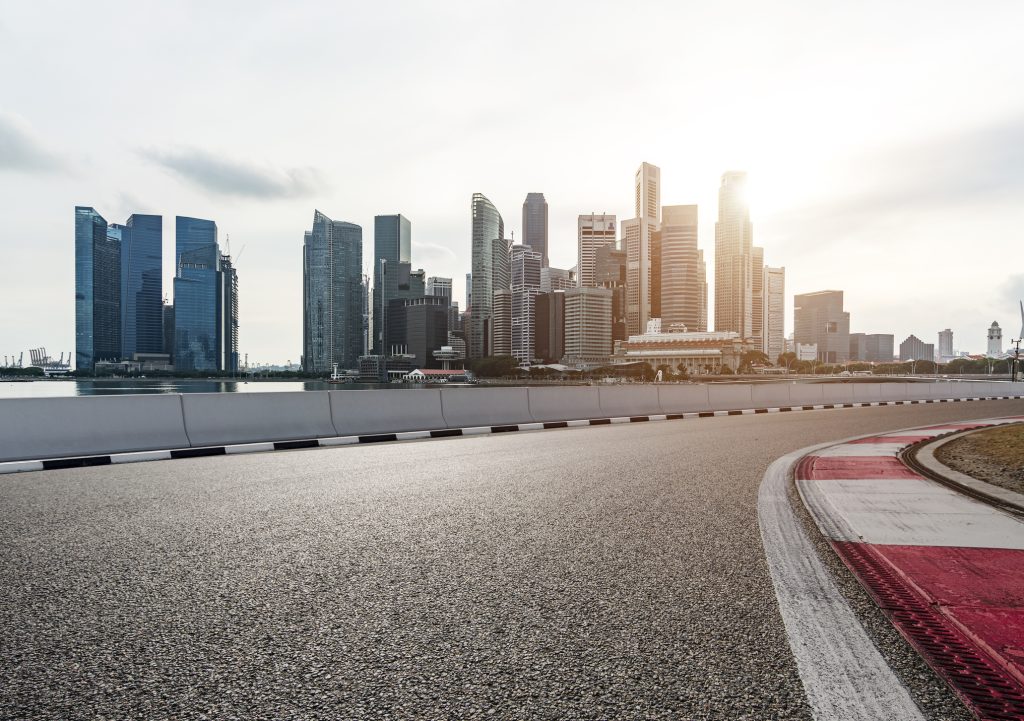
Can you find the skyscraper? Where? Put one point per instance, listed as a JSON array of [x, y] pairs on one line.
[[490, 272], [227, 316], [440, 286], [97, 290], [141, 285], [592, 232], [197, 258], [757, 296], [915, 349], [535, 225], [610, 273], [733, 258], [819, 318], [552, 279], [773, 322], [637, 237], [501, 322], [525, 272], [703, 275], [549, 326], [588, 326], [945, 345], [682, 284], [392, 242], [332, 262]]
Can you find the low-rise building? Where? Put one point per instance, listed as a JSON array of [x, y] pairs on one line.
[[694, 353]]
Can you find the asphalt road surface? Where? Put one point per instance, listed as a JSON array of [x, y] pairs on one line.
[[593, 573]]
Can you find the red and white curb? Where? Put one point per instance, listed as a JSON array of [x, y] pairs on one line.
[[946, 569]]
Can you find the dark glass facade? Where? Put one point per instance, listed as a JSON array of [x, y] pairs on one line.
[[392, 242], [141, 285], [196, 346], [535, 225], [227, 316], [97, 290], [490, 272], [332, 294], [418, 327]]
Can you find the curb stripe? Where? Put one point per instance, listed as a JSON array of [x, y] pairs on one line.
[[83, 462], [198, 452]]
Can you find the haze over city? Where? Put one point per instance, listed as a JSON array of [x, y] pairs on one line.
[[884, 145]]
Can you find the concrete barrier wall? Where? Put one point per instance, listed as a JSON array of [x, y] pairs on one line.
[[619, 401], [683, 399], [33, 428], [217, 419], [386, 411], [564, 403], [471, 407]]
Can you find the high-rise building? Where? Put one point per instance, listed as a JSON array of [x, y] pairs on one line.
[[440, 286], [168, 330], [757, 296], [141, 285], [417, 327], [945, 345], [535, 225], [858, 346], [610, 273], [525, 270], [227, 316], [490, 273], [552, 279], [773, 321], [682, 282], [469, 290], [592, 232], [392, 243], [549, 326], [880, 347], [995, 340], [637, 237], [734, 234], [819, 319], [332, 263], [196, 346], [365, 295], [703, 275], [588, 326], [97, 290], [915, 349], [501, 318]]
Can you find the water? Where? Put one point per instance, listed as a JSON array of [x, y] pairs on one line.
[[67, 388]]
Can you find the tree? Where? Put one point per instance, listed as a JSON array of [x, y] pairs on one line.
[[496, 366], [752, 358], [786, 359]]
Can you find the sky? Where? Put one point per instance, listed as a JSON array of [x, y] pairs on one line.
[[884, 141]]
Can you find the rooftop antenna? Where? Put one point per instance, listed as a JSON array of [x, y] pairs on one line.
[[227, 245]]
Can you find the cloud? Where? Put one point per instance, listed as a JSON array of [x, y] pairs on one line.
[[21, 150], [231, 177]]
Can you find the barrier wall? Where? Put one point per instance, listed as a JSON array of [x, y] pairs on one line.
[[386, 411], [564, 403], [33, 428], [217, 419]]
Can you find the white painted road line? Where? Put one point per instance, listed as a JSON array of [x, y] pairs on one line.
[[851, 450], [142, 456], [843, 674], [20, 466]]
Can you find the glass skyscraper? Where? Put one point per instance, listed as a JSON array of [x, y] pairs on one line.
[[392, 242], [332, 295], [141, 285], [535, 225], [196, 342], [97, 290], [490, 272]]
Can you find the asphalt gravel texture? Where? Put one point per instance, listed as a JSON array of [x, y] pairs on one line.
[[609, 572]]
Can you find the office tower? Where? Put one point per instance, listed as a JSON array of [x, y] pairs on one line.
[[757, 296], [702, 273], [552, 279], [392, 243], [637, 236], [995, 340], [733, 258], [454, 319], [408, 283], [490, 272], [592, 232], [168, 330], [946, 345], [549, 326], [588, 326], [197, 259], [332, 262], [501, 330], [535, 225], [610, 273], [365, 295], [915, 349], [227, 316], [819, 319], [97, 290], [682, 284], [858, 346], [417, 327], [773, 321], [440, 286], [879, 347], [141, 285], [525, 270], [469, 290]]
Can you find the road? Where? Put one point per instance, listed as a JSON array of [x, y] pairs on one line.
[[601, 572]]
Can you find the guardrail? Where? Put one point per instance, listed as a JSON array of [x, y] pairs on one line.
[[32, 428]]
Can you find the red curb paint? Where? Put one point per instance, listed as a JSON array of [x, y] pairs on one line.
[[817, 468], [905, 440]]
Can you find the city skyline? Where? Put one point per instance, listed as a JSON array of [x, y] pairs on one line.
[[837, 186]]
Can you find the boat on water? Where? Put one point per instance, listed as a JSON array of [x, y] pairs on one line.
[[337, 377]]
